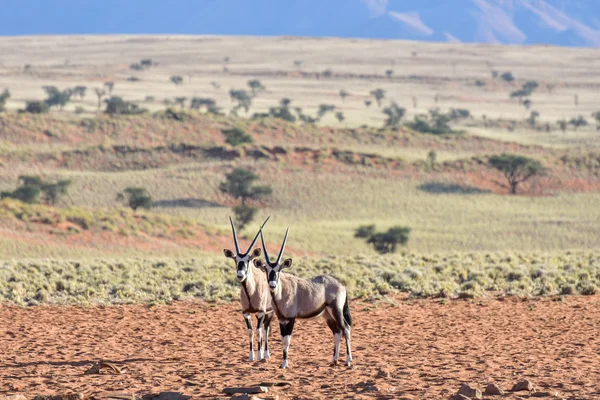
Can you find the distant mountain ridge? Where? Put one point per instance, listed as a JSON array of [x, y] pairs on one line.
[[556, 22]]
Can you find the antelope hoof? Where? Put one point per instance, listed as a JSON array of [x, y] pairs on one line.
[[333, 363], [284, 365], [348, 363], [251, 357], [267, 355]]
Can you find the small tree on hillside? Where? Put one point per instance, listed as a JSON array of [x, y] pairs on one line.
[[79, 91], [36, 107], [596, 116], [340, 116], [562, 125], [389, 73], [507, 77], [384, 242], [240, 184], [180, 101], [136, 198], [32, 187], [256, 86], [236, 137], [4, 96], [394, 115], [117, 106], [343, 95], [324, 109], [56, 98], [578, 122], [379, 95], [100, 93], [516, 168], [176, 79], [110, 86], [243, 99]]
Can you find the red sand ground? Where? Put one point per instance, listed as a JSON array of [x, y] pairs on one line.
[[428, 349]]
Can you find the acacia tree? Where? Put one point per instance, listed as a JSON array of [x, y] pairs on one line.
[[256, 86], [394, 115], [240, 184], [56, 98], [516, 168], [379, 95], [243, 99]]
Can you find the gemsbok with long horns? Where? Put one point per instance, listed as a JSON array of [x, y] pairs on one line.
[[254, 294], [295, 298]]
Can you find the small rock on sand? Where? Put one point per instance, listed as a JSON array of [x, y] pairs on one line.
[[459, 397], [246, 390], [468, 391], [544, 394], [523, 385], [493, 390]]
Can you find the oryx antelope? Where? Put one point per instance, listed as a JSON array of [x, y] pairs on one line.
[[254, 294], [293, 298]]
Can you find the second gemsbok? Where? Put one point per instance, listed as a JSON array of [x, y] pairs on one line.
[[295, 298]]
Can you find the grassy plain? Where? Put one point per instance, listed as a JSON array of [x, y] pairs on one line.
[[468, 236]]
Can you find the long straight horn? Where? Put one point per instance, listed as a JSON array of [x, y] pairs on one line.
[[235, 241], [262, 239], [283, 245], [257, 233]]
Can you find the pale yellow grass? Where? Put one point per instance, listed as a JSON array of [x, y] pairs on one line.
[[445, 70]]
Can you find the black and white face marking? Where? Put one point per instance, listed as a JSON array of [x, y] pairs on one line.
[[273, 270], [242, 262]]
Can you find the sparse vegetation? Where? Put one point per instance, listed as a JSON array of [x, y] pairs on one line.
[[33, 187], [343, 94], [379, 95], [256, 86], [236, 137], [243, 99], [117, 106], [283, 111], [136, 198], [394, 115], [36, 107], [3, 99], [507, 77], [384, 242], [57, 98], [176, 79], [578, 122], [436, 123]]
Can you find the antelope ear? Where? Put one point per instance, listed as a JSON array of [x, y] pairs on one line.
[[287, 263], [228, 253], [256, 253], [260, 265]]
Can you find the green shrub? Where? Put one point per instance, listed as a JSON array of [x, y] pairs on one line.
[[236, 137]]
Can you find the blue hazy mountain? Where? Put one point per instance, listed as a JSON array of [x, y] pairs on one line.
[[559, 22]]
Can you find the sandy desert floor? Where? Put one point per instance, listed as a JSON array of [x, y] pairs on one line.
[[404, 349]]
